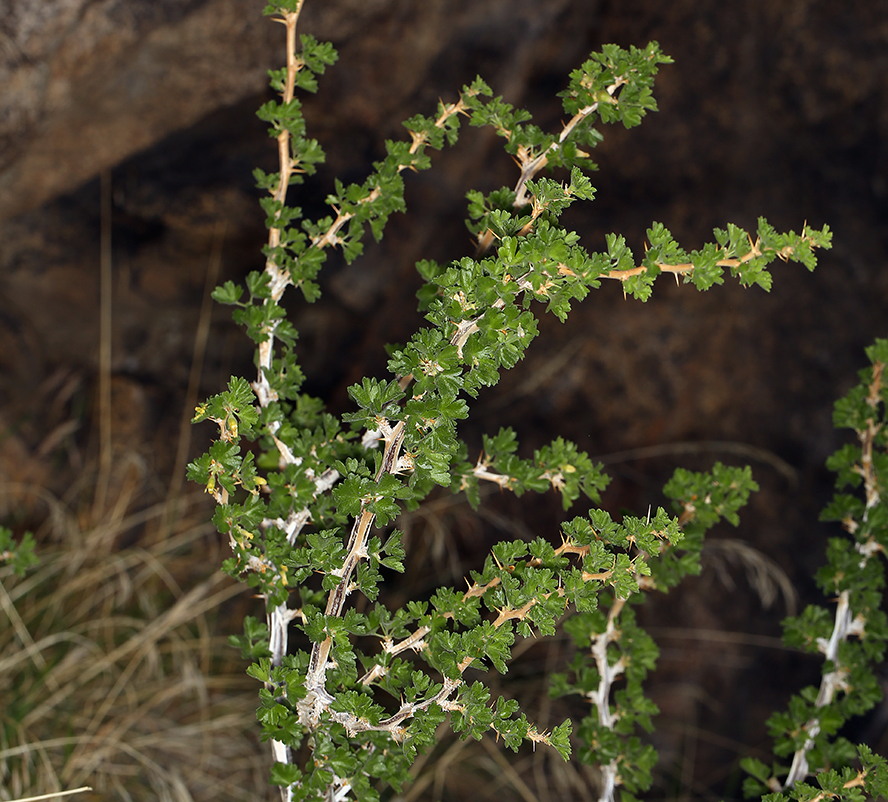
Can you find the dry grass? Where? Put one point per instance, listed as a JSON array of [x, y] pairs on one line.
[[113, 672]]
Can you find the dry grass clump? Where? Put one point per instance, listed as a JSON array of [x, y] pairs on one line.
[[114, 671]]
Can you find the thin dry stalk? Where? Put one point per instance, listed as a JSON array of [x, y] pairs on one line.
[[201, 338], [105, 446], [764, 575]]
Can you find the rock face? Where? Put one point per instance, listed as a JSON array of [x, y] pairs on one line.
[[775, 109], [95, 82], [88, 84]]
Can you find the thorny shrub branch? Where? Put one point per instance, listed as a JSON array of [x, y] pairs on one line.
[[309, 513]]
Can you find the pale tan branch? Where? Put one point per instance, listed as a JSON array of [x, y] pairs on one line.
[[317, 699]]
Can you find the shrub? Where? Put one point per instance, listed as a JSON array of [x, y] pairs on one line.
[[309, 511]]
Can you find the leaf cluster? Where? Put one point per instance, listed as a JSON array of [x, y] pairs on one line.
[[851, 630], [19, 554], [609, 642]]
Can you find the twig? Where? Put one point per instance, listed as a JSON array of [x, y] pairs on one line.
[[200, 346], [54, 795], [105, 297]]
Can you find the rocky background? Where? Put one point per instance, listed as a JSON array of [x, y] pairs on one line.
[[774, 109]]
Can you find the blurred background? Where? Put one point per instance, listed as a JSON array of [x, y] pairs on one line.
[[127, 140]]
